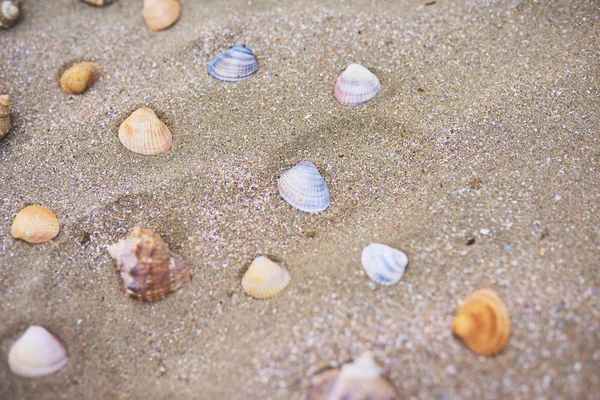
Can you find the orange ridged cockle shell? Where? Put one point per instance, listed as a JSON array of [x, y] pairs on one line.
[[143, 133], [148, 268], [482, 322], [80, 77], [161, 14], [35, 224]]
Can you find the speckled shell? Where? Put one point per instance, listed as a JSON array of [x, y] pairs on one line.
[[358, 380], [265, 278], [161, 14], [36, 353], [9, 13], [5, 124], [303, 187], [143, 133], [80, 77], [35, 224], [148, 268], [235, 64], [482, 322], [356, 85], [384, 264]]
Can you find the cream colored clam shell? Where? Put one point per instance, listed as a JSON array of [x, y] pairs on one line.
[[143, 133], [265, 278], [161, 14], [36, 353], [35, 224]]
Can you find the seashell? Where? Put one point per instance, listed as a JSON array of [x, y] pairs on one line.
[[234, 65], [148, 268], [143, 133], [161, 14], [98, 3], [265, 278], [303, 187], [356, 85], [358, 380], [36, 353], [9, 13], [5, 124], [80, 77], [482, 322], [35, 224], [384, 264]]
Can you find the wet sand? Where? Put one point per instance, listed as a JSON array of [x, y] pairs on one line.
[[487, 118]]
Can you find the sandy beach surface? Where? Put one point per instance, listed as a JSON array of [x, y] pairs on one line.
[[486, 127]]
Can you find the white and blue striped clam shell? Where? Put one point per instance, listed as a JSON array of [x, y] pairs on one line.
[[234, 65], [303, 187], [356, 85], [384, 264]]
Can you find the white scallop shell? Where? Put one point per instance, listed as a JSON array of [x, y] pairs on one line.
[[235, 64], [384, 264], [36, 353], [265, 278], [356, 85], [303, 187]]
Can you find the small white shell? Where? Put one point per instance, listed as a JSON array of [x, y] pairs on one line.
[[265, 278], [36, 353], [356, 85], [303, 187], [234, 65], [384, 264]]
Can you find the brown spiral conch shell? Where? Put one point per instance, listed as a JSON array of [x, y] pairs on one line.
[[9, 13], [143, 133], [35, 224], [358, 380], [148, 268], [161, 14], [482, 323], [80, 77], [5, 124]]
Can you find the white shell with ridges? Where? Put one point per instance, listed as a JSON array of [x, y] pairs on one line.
[[384, 264], [356, 85], [303, 187], [265, 278], [36, 353], [235, 64]]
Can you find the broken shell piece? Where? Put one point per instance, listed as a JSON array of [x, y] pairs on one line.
[[35, 224], [161, 14], [265, 278], [36, 353], [358, 380], [234, 65], [5, 124], [9, 13], [148, 268], [303, 187], [143, 133], [482, 322], [80, 77], [356, 85], [384, 264]]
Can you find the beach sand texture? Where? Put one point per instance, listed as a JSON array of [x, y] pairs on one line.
[[487, 119]]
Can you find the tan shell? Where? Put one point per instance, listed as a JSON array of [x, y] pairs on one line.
[[143, 133], [148, 268], [482, 322], [161, 14], [5, 124], [264, 278], [9, 13], [35, 224], [98, 3], [80, 77], [358, 380]]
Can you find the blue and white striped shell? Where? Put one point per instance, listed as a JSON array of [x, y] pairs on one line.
[[303, 187], [384, 264], [234, 65], [356, 85]]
